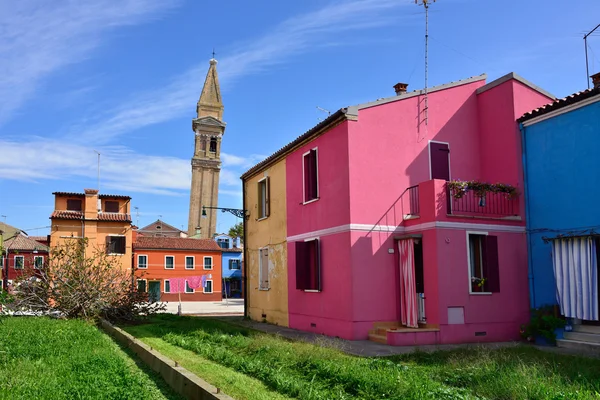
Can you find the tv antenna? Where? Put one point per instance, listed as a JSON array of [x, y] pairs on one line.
[[425, 4], [97, 152], [587, 66], [137, 216], [323, 110]]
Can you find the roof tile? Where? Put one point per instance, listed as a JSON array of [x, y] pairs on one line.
[[159, 243], [24, 243], [560, 103]]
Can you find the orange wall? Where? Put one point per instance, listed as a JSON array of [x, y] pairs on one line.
[[156, 272]]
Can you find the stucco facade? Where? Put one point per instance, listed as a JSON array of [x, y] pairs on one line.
[[98, 218], [267, 302]]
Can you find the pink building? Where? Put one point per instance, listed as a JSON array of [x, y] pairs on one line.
[[378, 245]]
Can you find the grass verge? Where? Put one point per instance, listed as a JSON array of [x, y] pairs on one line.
[[306, 371], [43, 358]]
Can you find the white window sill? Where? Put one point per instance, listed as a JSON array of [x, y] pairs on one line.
[[310, 201], [207, 292], [116, 254], [207, 269], [190, 268], [169, 268], [262, 218], [312, 291], [264, 289], [480, 293]]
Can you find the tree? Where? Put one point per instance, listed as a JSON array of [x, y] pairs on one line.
[[237, 231], [78, 286]]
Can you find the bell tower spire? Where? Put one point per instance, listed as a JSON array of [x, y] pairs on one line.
[[209, 129]]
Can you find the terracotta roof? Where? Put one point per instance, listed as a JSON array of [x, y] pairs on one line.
[[115, 217], [163, 227], [63, 214], [159, 243], [8, 230], [39, 238], [232, 250], [24, 243], [560, 103], [101, 196]]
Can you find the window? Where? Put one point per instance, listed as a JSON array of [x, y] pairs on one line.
[[169, 262], [223, 243], [213, 145], [208, 263], [234, 264], [141, 285], [38, 262], [142, 261], [263, 269], [234, 285], [74, 205], [111, 206], [188, 289], [308, 265], [167, 286], [208, 287], [264, 207], [115, 244], [189, 262], [484, 274], [310, 176], [19, 262]]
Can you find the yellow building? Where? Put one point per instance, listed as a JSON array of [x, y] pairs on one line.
[[265, 243], [105, 220]]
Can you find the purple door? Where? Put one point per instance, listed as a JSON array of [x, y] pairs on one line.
[[439, 155]]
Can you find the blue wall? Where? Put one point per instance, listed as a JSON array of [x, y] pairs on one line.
[[229, 255], [561, 158]]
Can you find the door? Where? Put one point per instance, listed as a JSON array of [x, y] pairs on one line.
[[154, 291], [439, 159]]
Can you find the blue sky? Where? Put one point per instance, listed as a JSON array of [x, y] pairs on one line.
[[124, 77]]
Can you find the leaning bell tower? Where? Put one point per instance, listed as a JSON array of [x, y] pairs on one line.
[[208, 129]]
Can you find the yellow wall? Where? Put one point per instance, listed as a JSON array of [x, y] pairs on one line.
[[93, 229], [272, 233]]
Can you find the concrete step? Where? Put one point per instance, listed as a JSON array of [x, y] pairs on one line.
[[587, 329], [373, 337], [580, 346], [583, 337]]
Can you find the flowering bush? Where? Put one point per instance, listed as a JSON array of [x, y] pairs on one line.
[[460, 188]]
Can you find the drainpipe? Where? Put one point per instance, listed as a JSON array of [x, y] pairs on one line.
[[245, 262], [528, 234]]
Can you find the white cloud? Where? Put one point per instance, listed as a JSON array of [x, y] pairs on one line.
[[294, 36], [39, 37]]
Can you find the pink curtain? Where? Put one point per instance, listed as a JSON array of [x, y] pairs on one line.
[[408, 288]]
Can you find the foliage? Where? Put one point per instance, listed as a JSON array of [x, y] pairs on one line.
[[237, 231], [460, 188], [75, 285], [307, 371], [42, 358], [543, 322], [6, 299]]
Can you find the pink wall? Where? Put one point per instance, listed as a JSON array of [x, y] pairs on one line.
[[332, 208], [389, 153]]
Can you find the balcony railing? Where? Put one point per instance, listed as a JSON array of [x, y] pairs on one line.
[[492, 204]]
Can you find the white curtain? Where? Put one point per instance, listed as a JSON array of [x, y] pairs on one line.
[[408, 288], [576, 273]]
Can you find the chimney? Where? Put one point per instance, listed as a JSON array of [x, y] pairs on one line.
[[198, 230], [596, 80], [91, 204], [400, 88], [237, 242]]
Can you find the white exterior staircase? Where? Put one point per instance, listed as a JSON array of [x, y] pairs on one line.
[[583, 338]]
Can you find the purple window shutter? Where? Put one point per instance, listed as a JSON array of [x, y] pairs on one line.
[[313, 174], [317, 264], [307, 175], [490, 264], [302, 266], [440, 161]]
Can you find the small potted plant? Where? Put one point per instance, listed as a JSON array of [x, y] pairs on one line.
[[544, 327]]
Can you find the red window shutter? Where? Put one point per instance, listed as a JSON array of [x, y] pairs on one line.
[[491, 268], [313, 174], [316, 264], [302, 266]]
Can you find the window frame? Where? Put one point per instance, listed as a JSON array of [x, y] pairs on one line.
[[475, 233], [34, 262], [213, 139], [223, 240], [263, 204], [193, 262], [137, 285], [165, 281], [109, 244], [106, 202], [304, 201], [173, 257], [235, 261], [260, 269], [22, 258], [212, 265], [71, 209], [187, 286], [211, 287], [318, 268], [138, 261]]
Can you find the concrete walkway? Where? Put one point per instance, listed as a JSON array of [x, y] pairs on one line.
[[208, 308], [364, 348]]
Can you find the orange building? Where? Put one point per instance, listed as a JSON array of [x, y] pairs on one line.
[[105, 220], [161, 260]]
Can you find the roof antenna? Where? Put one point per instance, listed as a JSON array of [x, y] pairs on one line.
[[137, 216], [324, 110], [587, 67], [425, 3]]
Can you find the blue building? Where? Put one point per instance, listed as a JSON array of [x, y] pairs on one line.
[[561, 163], [232, 265]]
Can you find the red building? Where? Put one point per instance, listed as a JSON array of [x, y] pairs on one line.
[[22, 254]]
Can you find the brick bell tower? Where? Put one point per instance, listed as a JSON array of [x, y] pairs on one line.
[[208, 130]]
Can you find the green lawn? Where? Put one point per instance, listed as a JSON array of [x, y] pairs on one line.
[[250, 365], [44, 358]]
